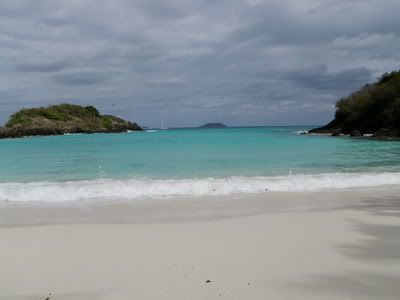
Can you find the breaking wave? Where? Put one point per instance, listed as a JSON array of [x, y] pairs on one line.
[[112, 189]]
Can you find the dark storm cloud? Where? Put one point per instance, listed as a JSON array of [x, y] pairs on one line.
[[318, 77], [186, 61]]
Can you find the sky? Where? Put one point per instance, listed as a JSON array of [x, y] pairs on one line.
[[189, 62]]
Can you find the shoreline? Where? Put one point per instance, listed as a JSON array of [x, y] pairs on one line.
[[364, 137], [108, 191], [70, 134], [186, 209]]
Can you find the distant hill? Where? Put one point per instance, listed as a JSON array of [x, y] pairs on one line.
[[373, 110], [213, 125], [61, 119]]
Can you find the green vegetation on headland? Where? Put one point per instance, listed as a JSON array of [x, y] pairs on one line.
[[374, 110], [213, 125], [62, 119]]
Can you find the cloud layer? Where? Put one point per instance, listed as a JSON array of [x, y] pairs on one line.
[[241, 62]]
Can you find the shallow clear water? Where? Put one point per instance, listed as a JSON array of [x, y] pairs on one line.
[[187, 157]]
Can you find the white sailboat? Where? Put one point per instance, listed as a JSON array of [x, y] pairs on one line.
[[162, 125]]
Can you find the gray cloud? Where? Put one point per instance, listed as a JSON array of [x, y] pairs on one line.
[[80, 78], [45, 66], [318, 77], [237, 61]]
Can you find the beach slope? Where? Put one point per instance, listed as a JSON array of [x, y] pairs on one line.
[[340, 251]]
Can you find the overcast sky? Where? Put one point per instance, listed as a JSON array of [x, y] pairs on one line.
[[241, 62]]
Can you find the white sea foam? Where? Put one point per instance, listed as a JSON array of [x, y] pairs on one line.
[[111, 189], [300, 132]]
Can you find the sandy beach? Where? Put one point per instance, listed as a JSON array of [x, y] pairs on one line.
[[328, 245], [199, 150]]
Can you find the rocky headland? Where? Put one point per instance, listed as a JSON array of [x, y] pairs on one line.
[[63, 119], [372, 111]]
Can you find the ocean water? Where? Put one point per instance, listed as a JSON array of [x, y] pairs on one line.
[[189, 162]]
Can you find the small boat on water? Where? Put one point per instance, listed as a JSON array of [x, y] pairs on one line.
[[162, 125]]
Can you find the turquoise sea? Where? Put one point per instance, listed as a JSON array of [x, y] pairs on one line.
[[172, 162]]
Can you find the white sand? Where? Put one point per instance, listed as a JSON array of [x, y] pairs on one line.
[[307, 254]]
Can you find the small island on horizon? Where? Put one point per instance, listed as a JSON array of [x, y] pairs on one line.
[[213, 125], [372, 111], [63, 119]]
